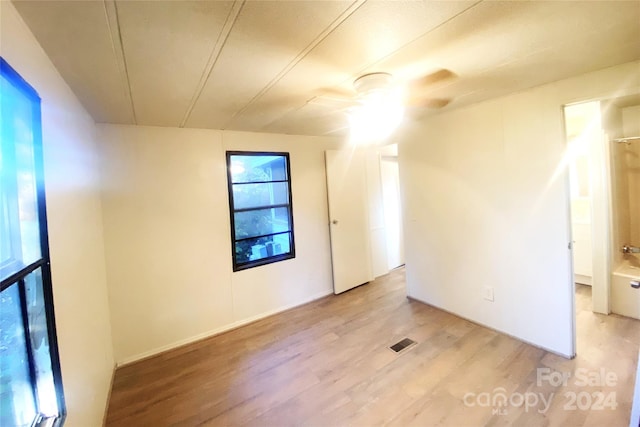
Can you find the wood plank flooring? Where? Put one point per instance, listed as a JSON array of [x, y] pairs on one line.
[[328, 364]]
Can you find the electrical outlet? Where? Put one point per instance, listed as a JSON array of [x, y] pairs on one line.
[[487, 293]]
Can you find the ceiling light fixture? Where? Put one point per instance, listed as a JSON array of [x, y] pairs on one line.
[[379, 111]]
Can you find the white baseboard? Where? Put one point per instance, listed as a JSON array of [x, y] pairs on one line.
[[154, 352]]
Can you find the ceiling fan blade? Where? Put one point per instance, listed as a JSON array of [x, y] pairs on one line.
[[334, 103], [335, 98], [430, 79], [432, 103], [419, 111]]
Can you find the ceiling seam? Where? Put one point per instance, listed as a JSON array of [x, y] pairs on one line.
[[221, 41], [314, 43], [446, 21], [117, 45]]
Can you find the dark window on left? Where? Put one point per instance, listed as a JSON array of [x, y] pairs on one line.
[[260, 208], [30, 380]]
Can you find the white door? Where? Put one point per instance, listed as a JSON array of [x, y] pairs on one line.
[[348, 219]]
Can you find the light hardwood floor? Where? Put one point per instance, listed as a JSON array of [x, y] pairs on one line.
[[328, 364]]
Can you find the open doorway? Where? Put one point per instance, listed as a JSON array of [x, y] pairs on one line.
[[621, 124], [588, 164], [603, 140], [581, 123], [390, 178], [363, 195]]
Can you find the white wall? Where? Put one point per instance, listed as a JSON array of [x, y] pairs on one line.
[[75, 227], [486, 204], [167, 234]]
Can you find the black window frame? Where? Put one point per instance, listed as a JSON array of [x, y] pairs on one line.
[[239, 266], [18, 278]]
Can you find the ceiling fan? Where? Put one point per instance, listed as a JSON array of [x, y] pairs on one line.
[[414, 91], [378, 102]]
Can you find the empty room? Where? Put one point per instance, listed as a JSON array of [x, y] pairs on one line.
[[319, 213]]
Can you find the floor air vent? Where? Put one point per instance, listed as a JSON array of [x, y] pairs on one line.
[[399, 346]]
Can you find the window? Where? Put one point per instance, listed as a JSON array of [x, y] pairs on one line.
[[260, 207], [30, 380]]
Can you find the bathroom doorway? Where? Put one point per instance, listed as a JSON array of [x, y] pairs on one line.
[[603, 159], [587, 160], [582, 123], [621, 123]]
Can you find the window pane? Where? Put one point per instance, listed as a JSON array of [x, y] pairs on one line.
[[258, 195], [262, 247], [46, 389], [260, 222], [18, 196], [27, 370], [258, 168], [17, 406]]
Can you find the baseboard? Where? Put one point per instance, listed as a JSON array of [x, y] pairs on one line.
[[106, 407], [557, 353], [217, 331]]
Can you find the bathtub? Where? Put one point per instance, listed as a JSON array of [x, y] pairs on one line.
[[625, 300]]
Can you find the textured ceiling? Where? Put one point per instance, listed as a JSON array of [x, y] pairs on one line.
[[258, 65]]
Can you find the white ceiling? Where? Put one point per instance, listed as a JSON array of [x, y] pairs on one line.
[[255, 65]]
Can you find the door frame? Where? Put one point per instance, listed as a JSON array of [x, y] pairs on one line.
[[601, 214], [351, 155]]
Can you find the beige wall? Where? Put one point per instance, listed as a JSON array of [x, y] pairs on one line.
[[486, 205], [75, 227], [166, 216]]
